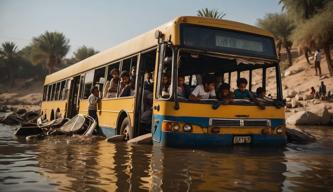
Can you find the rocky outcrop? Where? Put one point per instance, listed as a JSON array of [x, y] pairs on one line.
[[317, 115]]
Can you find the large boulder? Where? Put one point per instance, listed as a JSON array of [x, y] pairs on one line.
[[322, 111], [303, 118], [292, 71], [317, 115]]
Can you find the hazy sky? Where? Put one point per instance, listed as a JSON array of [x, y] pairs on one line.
[[102, 24]]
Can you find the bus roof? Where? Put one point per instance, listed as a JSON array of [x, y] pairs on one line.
[[145, 41]]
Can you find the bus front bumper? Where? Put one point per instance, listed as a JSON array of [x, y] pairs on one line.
[[183, 139]]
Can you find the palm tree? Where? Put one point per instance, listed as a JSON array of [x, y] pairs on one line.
[[211, 13], [281, 27], [83, 53], [9, 56], [49, 49]]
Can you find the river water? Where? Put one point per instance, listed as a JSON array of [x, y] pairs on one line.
[[76, 164]]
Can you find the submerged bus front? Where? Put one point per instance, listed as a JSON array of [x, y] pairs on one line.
[[226, 55]]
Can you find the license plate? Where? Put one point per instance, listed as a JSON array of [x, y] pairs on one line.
[[242, 139]]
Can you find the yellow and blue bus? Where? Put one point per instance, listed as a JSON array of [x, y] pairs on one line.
[[190, 47]]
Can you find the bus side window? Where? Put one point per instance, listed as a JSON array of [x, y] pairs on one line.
[[52, 92], [65, 90], [62, 86], [45, 93], [88, 82], [164, 76], [110, 87], [129, 65], [57, 91], [48, 92], [99, 79]]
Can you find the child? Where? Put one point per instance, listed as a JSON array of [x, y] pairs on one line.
[[206, 90], [242, 92], [125, 84], [261, 93], [112, 90], [224, 93]]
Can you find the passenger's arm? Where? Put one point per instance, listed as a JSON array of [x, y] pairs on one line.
[[194, 96]]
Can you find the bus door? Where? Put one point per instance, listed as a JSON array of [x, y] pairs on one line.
[[73, 99], [144, 91]]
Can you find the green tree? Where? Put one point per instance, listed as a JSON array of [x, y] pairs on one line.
[[9, 57], [211, 13], [300, 11], [281, 27], [49, 49], [317, 32], [83, 52]]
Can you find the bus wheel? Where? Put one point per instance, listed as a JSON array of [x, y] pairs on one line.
[[126, 129]]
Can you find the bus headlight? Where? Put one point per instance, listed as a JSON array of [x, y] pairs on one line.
[[175, 127], [279, 130], [187, 128]]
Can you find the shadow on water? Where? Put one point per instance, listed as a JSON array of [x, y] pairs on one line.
[[67, 164]]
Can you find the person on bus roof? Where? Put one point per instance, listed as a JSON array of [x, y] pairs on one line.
[[125, 84], [242, 92], [224, 94], [206, 90]]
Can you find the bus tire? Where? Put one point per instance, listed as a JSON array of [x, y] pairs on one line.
[[126, 129]]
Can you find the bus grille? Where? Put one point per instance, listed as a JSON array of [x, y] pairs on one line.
[[239, 123]]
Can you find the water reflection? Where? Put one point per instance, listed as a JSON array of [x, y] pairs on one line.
[[67, 164]]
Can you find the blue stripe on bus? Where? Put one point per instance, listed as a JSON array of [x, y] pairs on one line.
[[190, 139], [181, 139]]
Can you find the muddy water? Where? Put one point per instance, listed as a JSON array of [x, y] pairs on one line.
[[75, 164]]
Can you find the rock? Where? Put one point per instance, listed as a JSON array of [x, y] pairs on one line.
[[322, 112], [299, 136], [295, 103], [304, 118], [27, 131], [316, 101], [288, 99], [290, 71], [11, 119], [21, 111], [3, 108], [288, 105], [291, 93], [142, 139], [115, 139], [308, 97], [298, 97], [32, 138]]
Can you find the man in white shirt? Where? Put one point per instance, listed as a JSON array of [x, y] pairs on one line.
[[317, 62], [92, 106], [206, 90]]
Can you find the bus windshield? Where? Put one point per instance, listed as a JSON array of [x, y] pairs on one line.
[[227, 41], [194, 68]]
